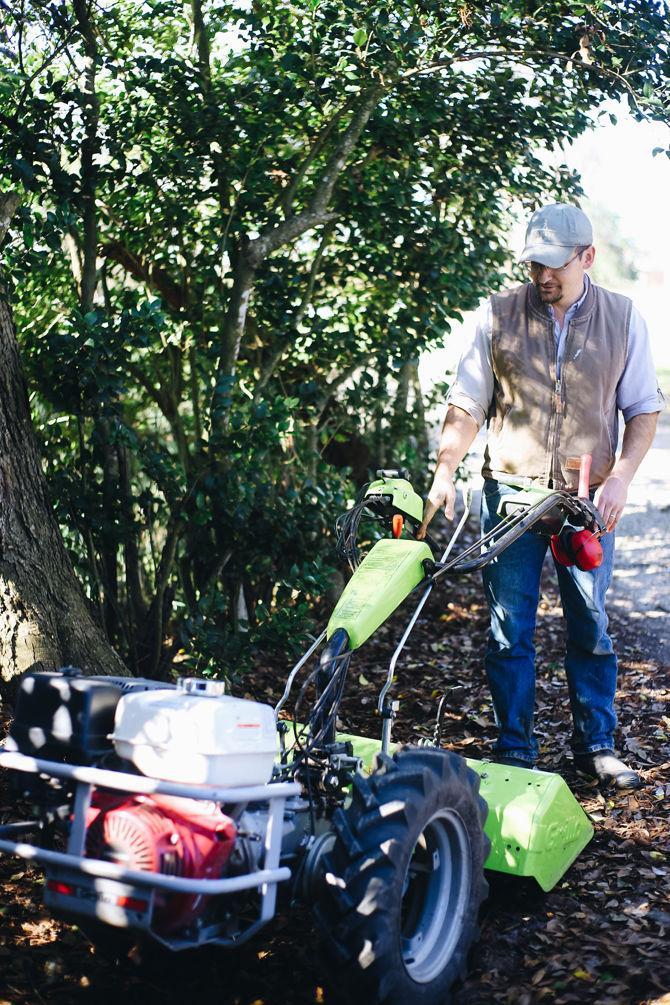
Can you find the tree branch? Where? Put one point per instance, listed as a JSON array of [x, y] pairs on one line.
[[151, 642], [154, 276], [522, 57], [60, 48], [201, 40], [157, 394], [286, 196], [89, 147], [252, 253], [276, 356], [311, 282], [315, 214], [333, 385]]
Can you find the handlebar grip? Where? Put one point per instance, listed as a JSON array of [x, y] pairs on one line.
[[393, 473], [584, 476]]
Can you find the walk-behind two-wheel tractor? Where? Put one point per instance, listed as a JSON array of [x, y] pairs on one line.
[[173, 816]]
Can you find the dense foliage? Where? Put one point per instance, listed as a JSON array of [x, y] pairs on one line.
[[240, 225]]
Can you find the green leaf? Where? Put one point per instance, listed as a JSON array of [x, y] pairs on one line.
[[360, 37], [291, 62]]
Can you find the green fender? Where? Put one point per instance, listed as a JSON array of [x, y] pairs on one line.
[[535, 825]]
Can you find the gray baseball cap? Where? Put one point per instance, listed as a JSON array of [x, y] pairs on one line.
[[553, 234]]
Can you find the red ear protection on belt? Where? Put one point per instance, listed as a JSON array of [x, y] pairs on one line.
[[577, 547]]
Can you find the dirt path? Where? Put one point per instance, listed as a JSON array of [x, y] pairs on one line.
[[641, 584]]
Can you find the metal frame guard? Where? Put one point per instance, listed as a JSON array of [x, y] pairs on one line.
[[73, 860]]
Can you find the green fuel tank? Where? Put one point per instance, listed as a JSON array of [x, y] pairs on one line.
[[387, 574]]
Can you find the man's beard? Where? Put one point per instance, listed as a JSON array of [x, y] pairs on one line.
[[550, 296]]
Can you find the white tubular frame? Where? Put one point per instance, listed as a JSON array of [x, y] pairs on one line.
[[73, 860]]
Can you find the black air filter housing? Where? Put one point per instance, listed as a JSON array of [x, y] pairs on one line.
[[66, 716]]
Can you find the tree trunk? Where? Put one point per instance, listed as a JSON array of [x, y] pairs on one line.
[[419, 412], [107, 538], [150, 636], [381, 395], [402, 395], [89, 148], [45, 620]]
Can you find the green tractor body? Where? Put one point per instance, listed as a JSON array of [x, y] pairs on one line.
[[535, 825], [386, 576], [388, 850]]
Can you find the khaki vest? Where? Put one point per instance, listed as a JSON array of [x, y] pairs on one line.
[[538, 427]]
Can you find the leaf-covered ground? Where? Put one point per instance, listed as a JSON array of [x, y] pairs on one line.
[[601, 936]]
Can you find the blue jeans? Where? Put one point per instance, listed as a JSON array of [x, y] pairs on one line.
[[512, 586]]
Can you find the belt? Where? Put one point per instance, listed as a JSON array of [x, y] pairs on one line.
[[520, 481]]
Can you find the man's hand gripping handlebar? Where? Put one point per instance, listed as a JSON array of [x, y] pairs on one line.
[[442, 493]]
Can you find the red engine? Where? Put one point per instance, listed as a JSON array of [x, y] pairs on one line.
[[177, 837]]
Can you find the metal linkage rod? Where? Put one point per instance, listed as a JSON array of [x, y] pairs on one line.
[[135, 877], [296, 669], [120, 781]]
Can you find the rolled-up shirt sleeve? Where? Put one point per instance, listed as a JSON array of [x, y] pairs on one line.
[[638, 391], [472, 389]]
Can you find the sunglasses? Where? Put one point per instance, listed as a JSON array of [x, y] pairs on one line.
[[536, 267]]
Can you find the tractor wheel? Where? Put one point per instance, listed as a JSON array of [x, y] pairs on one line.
[[404, 880]]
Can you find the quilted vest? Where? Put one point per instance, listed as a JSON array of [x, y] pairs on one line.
[[538, 425]]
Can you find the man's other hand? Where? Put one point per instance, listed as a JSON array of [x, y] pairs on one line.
[[442, 493], [610, 500]]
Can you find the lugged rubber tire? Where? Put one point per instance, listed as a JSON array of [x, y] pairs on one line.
[[404, 880]]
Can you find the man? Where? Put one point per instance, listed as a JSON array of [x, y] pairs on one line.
[[551, 365]]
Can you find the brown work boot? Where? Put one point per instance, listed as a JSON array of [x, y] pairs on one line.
[[608, 769]]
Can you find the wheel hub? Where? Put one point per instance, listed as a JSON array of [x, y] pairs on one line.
[[435, 895]]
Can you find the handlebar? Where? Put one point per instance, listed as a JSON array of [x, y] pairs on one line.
[[512, 528]]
